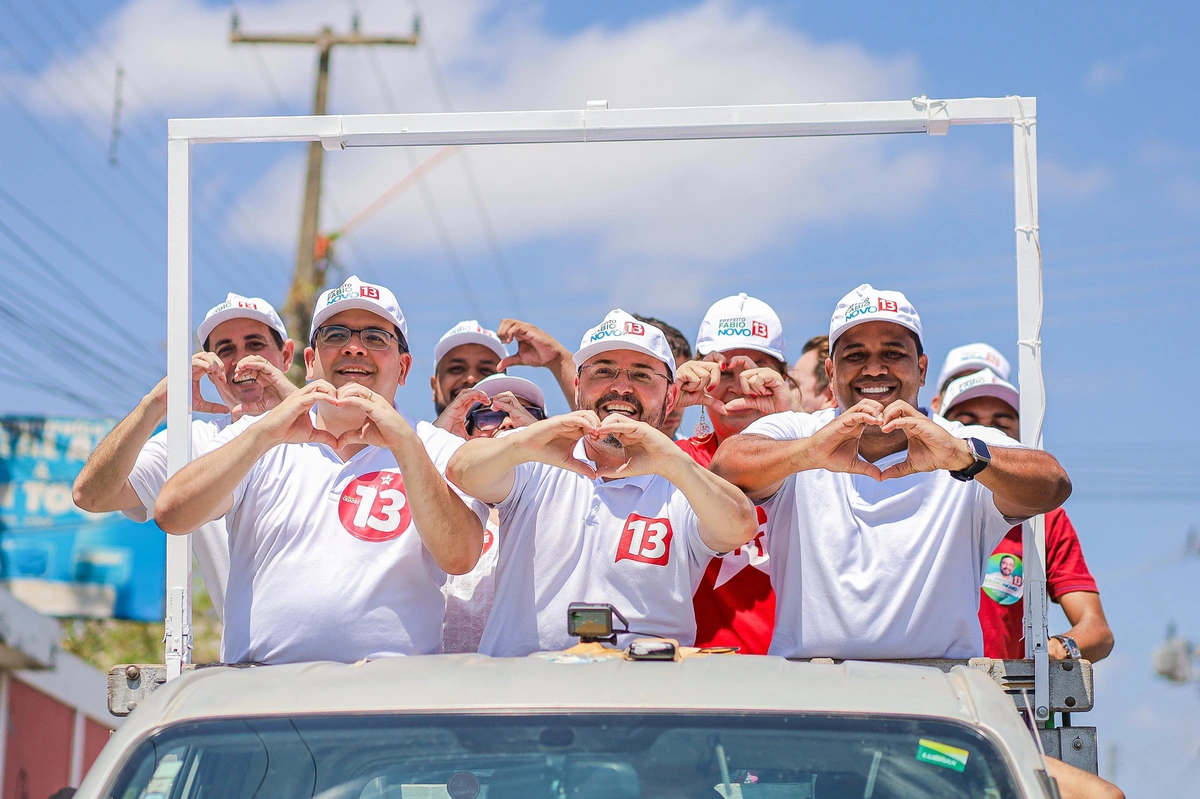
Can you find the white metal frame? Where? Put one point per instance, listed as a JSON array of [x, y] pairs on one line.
[[598, 123]]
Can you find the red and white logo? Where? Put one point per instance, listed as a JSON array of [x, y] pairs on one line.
[[751, 554], [489, 538], [645, 540], [759, 329], [374, 507], [370, 292], [250, 305], [634, 329], [888, 305]]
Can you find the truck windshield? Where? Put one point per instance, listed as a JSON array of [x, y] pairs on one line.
[[560, 756]]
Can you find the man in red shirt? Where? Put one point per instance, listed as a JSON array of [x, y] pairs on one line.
[[742, 377], [983, 398]]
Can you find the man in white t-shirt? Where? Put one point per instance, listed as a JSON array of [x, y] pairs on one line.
[[341, 526], [599, 505], [245, 352], [881, 518]]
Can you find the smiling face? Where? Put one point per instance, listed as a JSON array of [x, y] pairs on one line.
[[382, 371], [234, 339], [876, 361], [730, 388], [459, 369], [988, 412], [1007, 565], [648, 400]]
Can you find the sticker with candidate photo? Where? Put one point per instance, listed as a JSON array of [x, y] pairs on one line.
[[1004, 581]]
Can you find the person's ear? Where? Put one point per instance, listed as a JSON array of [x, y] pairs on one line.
[[310, 363], [405, 367], [923, 366], [289, 353]]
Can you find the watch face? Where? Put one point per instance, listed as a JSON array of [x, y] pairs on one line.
[[980, 449]]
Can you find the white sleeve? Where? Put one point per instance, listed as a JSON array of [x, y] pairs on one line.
[[224, 437], [988, 435], [785, 426], [440, 446], [148, 476]]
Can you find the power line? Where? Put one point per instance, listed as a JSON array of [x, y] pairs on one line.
[[62, 334], [265, 72], [75, 250], [481, 207], [65, 285], [49, 388], [221, 251], [150, 196]]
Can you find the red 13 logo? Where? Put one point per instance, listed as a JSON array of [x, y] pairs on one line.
[[646, 540], [374, 507]]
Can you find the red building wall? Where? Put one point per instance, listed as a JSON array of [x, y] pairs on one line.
[[37, 759]]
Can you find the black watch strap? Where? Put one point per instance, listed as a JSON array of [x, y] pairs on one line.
[[983, 457]]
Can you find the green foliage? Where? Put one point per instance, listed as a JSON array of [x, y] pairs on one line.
[[106, 642]]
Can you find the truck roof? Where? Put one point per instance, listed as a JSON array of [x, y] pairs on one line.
[[556, 682], [478, 683]]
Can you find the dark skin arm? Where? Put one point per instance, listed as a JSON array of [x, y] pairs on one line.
[[1089, 627]]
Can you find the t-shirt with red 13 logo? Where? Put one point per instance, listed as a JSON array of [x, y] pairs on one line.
[[646, 540], [374, 507]]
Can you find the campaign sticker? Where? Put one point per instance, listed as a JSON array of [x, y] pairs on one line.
[[374, 507], [1004, 581], [943, 755]]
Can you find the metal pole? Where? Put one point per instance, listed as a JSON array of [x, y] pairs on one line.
[[178, 618], [1033, 393], [307, 281]]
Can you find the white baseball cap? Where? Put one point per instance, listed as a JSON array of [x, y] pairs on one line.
[[741, 322], [972, 358], [355, 293], [468, 332], [522, 388], [238, 307], [869, 304], [620, 331], [984, 383]]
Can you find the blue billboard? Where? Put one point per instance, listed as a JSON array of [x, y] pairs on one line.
[[56, 558]]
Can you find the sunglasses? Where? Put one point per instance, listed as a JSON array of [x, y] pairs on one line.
[[485, 419]]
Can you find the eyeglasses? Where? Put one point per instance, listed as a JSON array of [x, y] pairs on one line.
[[371, 337], [604, 373], [485, 419]]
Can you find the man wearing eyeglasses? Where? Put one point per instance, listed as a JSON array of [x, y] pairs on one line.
[[341, 526], [245, 353], [599, 505]]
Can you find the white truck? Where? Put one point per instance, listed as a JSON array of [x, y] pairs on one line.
[[570, 725], [563, 725]]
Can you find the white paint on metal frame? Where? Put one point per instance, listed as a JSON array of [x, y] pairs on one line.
[[599, 124]]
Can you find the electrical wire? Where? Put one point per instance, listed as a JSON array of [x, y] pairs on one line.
[[49, 388], [247, 259], [65, 285], [152, 198], [71, 247], [481, 206]]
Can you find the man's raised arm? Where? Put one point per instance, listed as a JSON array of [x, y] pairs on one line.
[[203, 490], [483, 467], [103, 484]]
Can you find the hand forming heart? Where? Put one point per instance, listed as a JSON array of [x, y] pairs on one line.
[[647, 450], [552, 441], [930, 447]]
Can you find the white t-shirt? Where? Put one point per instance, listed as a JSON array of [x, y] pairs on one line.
[[864, 569], [327, 563], [469, 598], [210, 543], [632, 543]]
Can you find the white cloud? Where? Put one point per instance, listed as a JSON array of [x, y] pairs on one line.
[[652, 205], [1059, 181], [1103, 74]]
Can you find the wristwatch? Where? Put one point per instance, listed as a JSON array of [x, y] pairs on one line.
[[1069, 644], [982, 456]]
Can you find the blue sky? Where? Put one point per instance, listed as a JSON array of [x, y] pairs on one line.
[[664, 229]]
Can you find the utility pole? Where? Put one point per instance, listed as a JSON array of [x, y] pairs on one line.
[[309, 277]]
